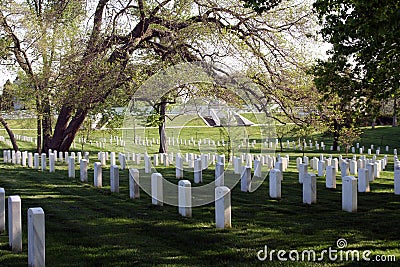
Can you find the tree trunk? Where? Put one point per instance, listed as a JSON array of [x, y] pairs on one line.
[[64, 132], [39, 134], [73, 128], [161, 129], [336, 131], [46, 124], [10, 133], [373, 123]]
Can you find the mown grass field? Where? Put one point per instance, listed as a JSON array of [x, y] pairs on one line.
[[88, 226]]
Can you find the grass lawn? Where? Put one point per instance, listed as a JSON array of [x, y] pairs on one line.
[[87, 226]]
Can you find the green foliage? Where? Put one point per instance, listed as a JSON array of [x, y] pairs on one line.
[[348, 136], [364, 34], [261, 5]]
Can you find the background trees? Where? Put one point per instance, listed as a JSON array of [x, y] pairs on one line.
[[80, 55], [365, 47]]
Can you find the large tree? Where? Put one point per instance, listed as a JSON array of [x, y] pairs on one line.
[[364, 34], [126, 42]]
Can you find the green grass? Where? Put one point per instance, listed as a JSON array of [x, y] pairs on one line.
[[87, 226]]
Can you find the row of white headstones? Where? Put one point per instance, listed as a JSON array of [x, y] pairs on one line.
[[119, 141], [36, 228], [367, 170]]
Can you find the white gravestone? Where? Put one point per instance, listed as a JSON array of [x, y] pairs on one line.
[[36, 237], [279, 166], [52, 162], [122, 161], [397, 180], [185, 198], [112, 158], [310, 189], [2, 210], [321, 168], [60, 156], [36, 161], [377, 173], [371, 170], [98, 175], [30, 160], [71, 167], [303, 170], [157, 197], [102, 158], [204, 161], [147, 164], [245, 179], [43, 161], [349, 194], [219, 174], [134, 191], [83, 168], [114, 179], [257, 168], [275, 184], [14, 223], [24, 158], [363, 180], [78, 156], [353, 167], [179, 167], [335, 164], [222, 207], [198, 172], [237, 165], [344, 169], [330, 177]]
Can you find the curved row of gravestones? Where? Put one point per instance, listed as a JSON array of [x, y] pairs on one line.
[[36, 228], [367, 171]]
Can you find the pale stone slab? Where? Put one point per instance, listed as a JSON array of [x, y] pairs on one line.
[[245, 179], [275, 183], [114, 179], [185, 198], [349, 194], [2, 210], [397, 180], [36, 237], [179, 167], [36, 161], [303, 170], [198, 171], [134, 190], [157, 194], [223, 207], [14, 223], [52, 162], [30, 160], [330, 177], [363, 180], [310, 188], [98, 175], [219, 174], [71, 167], [83, 168]]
